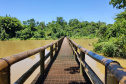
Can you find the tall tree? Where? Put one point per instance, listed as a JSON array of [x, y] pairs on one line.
[[10, 25]]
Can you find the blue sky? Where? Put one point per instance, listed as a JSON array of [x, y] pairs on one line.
[[48, 10]]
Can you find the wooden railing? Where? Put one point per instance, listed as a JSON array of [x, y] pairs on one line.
[[114, 73], [5, 63]]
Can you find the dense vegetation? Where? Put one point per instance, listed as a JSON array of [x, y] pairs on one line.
[[112, 41], [11, 27], [112, 37]]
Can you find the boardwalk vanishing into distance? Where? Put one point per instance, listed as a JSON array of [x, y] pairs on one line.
[[65, 69], [66, 66]]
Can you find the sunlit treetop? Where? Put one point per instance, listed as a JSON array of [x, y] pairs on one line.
[[121, 16]]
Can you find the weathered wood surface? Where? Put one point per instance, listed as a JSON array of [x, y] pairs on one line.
[[65, 69]]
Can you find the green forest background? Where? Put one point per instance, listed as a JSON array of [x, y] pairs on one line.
[[112, 37]]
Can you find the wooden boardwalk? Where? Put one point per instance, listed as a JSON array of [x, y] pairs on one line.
[[64, 69]]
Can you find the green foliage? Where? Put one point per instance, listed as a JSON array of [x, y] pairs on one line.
[[112, 40], [25, 34], [53, 30], [102, 30], [97, 47], [4, 35], [118, 3], [9, 25], [114, 47], [37, 35], [121, 16], [108, 49]]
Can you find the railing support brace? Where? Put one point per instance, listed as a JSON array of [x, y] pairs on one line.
[[82, 57], [51, 52], [42, 65], [109, 78]]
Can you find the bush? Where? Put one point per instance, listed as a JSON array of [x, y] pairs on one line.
[[47, 38], [97, 47], [114, 47], [108, 49]]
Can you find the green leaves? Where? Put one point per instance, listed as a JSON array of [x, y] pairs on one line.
[[53, 30], [112, 40], [118, 3], [114, 47], [10, 26], [102, 30]]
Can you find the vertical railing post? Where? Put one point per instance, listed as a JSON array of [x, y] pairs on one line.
[[76, 52], [55, 48], [73, 49], [42, 65], [58, 45], [61, 41], [82, 57], [69, 42], [51, 52], [109, 78], [5, 76]]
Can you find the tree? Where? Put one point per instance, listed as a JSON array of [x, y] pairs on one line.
[[91, 29], [4, 35], [42, 33], [10, 25], [102, 30], [52, 30], [42, 24], [118, 3], [25, 34], [37, 23], [37, 35], [60, 20], [73, 22], [121, 16], [24, 22], [31, 24], [112, 41]]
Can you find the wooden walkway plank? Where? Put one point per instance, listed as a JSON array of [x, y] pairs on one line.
[[65, 69]]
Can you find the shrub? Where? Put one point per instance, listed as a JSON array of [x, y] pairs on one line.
[[97, 47], [114, 47], [108, 49]]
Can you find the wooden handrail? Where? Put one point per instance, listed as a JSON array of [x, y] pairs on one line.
[[114, 73], [24, 77], [5, 63]]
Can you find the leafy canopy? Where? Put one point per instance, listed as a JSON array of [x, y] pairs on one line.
[[118, 3]]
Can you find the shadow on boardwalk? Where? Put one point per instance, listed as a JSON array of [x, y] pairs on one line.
[[63, 69]]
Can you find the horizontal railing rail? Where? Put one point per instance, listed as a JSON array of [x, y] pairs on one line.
[[114, 73], [5, 63]]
